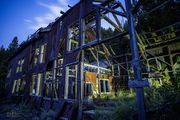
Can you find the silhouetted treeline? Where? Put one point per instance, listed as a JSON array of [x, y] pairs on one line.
[[5, 54]]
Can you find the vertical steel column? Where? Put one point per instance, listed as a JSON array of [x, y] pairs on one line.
[[135, 62], [98, 24], [80, 74], [98, 37]]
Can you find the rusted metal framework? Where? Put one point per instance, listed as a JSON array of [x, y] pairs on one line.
[[86, 52]]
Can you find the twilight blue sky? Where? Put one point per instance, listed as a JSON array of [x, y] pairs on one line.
[[23, 17]]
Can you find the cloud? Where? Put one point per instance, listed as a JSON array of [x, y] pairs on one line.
[[54, 9], [48, 17], [27, 20], [63, 2]]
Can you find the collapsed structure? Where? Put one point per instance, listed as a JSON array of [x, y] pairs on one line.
[[85, 53]]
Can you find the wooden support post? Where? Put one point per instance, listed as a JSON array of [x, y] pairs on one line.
[[66, 80], [80, 72], [98, 72], [53, 77], [98, 24]]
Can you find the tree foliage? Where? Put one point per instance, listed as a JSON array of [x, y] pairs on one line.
[[13, 46], [155, 14], [5, 54]]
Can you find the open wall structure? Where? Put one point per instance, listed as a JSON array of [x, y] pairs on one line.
[[85, 53]]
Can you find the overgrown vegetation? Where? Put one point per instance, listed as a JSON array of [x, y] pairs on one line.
[[161, 101], [23, 111], [118, 107], [168, 92], [155, 14]]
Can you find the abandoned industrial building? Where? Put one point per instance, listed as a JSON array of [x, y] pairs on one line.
[[87, 53]]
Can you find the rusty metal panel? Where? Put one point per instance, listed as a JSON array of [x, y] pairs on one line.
[[90, 77]]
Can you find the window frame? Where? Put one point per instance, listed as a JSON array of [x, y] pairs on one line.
[[42, 54], [69, 41], [104, 83]]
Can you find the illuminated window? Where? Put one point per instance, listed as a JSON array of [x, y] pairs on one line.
[[18, 86], [59, 67], [36, 84], [14, 86], [39, 84], [20, 65], [42, 54], [33, 85], [71, 82], [36, 56]]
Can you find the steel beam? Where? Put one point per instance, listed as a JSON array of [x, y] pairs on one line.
[[80, 69], [111, 10], [98, 24]]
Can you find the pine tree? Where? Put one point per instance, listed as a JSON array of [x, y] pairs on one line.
[[5, 54], [13, 46]]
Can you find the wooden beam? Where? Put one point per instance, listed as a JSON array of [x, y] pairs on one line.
[[92, 53], [116, 19], [111, 22]]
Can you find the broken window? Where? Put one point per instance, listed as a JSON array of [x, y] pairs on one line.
[[32, 54], [36, 84], [22, 86], [90, 28], [33, 85], [59, 67], [60, 25], [39, 84], [71, 82], [116, 70], [47, 89], [20, 65], [107, 85], [42, 53], [88, 89], [55, 93], [14, 86], [18, 86], [104, 86], [36, 56], [48, 84], [9, 72], [73, 37], [57, 81]]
